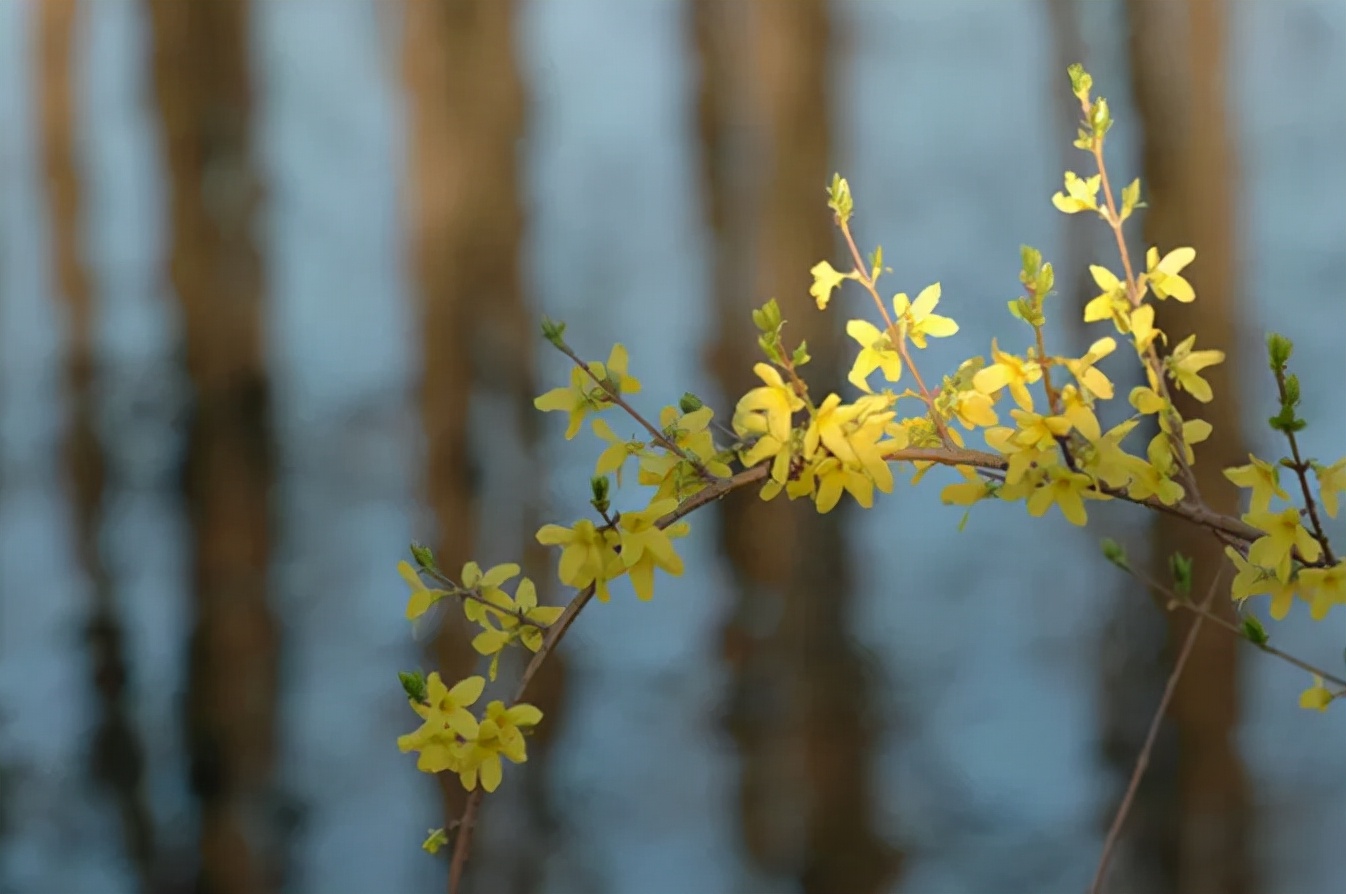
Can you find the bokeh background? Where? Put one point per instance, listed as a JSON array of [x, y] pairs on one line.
[[270, 279]]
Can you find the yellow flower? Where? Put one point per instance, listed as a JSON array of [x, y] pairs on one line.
[[587, 555], [1324, 588], [1112, 303], [446, 718], [1185, 365], [520, 620], [584, 395], [1317, 697], [422, 597], [1331, 481], [876, 352], [615, 455], [972, 408], [1105, 459], [1080, 194], [1076, 408], [1262, 477], [775, 401], [825, 279], [498, 735], [1008, 370], [1067, 490], [916, 320], [834, 476], [1252, 580], [1146, 400], [1284, 535], [487, 586], [1142, 329], [973, 488], [1039, 432], [645, 546], [1163, 275], [1090, 378], [1154, 478]]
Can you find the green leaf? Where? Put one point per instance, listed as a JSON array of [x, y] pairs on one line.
[[413, 684], [1113, 552], [801, 354], [1291, 390], [1131, 198], [1254, 631], [962, 522], [436, 840], [1100, 119], [423, 556], [600, 488], [553, 331], [839, 198], [690, 403], [1279, 349], [1080, 81], [876, 263], [1181, 566]]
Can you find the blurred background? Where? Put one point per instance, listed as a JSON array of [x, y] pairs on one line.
[[270, 281]]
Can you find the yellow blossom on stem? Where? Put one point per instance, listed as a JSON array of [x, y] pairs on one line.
[[972, 409], [1184, 366], [645, 546], [618, 451], [1039, 432], [1146, 400], [587, 555], [1105, 459], [775, 401], [834, 476], [1068, 491], [1142, 328], [1252, 580], [1331, 482], [1081, 194], [1317, 697], [1016, 373], [1076, 409], [1163, 277], [674, 476], [916, 320], [584, 395], [1284, 535], [446, 718], [973, 488], [1262, 477], [876, 352], [422, 597], [487, 584], [1087, 374], [1324, 588], [497, 736], [1111, 304], [825, 279]]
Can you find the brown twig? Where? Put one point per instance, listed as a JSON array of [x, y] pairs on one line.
[[1143, 759], [1301, 469], [616, 398]]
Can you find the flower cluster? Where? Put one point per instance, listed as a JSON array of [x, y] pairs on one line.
[[1036, 413]]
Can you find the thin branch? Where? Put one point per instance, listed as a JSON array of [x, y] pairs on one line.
[[615, 397], [1143, 759], [1302, 472]]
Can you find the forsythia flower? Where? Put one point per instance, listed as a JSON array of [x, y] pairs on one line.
[[446, 718], [1068, 491], [523, 619], [587, 555], [422, 597], [1105, 459], [675, 476], [1039, 432], [1081, 194], [1284, 535], [973, 488], [584, 395], [1008, 370], [834, 476], [1262, 477], [1317, 697], [615, 455], [1163, 275], [825, 279], [1324, 588], [1090, 377], [487, 586], [498, 735], [645, 546], [1254, 581], [916, 320], [1112, 303], [876, 352], [972, 408], [1185, 366], [776, 402], [1331, 481]]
